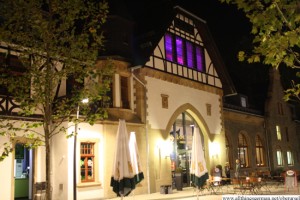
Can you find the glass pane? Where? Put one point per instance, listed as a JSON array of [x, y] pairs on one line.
[[82, 168], [169, 47], [189, 54], [179, 50], [90, 169], [279, 157], [200, 59]]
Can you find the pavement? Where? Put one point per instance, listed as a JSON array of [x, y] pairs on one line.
[[191, 193]]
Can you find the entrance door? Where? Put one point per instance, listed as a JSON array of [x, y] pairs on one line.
[[182, 137], [23, 172]]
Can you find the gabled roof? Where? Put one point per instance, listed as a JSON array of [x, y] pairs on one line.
[[152, 19], [212, 50]]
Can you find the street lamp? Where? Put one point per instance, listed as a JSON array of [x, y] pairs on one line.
[[75, 147]]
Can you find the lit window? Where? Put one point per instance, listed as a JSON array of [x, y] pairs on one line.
[[184, 52], [169, 47], [87, 160], [278, 132], [189, 54], [227, 150], [279, 157], [243, 151], [200, 59], [260, 161], [243, 102], [179, 50], [290, 158]]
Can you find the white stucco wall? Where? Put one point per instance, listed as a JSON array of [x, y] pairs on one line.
[[179, 95], [7, 178], [6, 173], [63, 162]]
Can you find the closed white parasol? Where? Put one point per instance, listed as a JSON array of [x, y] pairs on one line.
[[123, 176], [135, 159], [199, 173]]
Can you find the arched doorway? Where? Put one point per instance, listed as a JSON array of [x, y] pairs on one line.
[[181, 136]]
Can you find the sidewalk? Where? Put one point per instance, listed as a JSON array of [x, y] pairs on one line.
[[190, 194], [186, 193]]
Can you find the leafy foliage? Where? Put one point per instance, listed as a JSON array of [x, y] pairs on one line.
[[53, 41], [276, 30]]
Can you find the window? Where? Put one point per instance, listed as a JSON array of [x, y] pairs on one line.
[[169, 47], [125, 92], [12, 66], [279, 108], [290, 158], [279, 156], [243, 151], [227, 146], [278, 132], [87, 160], [287, 134], [260, 161], [189, 54], [243, 102], [208, 109], [179, 50], [184, 52], [200, 59]]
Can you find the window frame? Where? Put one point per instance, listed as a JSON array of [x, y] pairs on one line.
[[243, 150], [125, 92], [278, 133], [279, 156], [259, 152], [86, 168], [290, 158]]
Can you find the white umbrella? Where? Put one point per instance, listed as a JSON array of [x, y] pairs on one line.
[[122, 179], [199, 173], [135, 159]]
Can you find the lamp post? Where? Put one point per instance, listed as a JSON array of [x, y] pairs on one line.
[[75, 148]]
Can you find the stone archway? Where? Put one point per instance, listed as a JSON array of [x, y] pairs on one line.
[[180, 130]]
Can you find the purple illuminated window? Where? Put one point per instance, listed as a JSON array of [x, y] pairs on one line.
[[179, 50], [189, 54], [184, 52], [169, 47], [200, 59]]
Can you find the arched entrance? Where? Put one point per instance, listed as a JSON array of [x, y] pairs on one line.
[[181, 136]]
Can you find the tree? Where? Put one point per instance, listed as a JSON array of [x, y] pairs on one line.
[[276, 31], [55, 41]]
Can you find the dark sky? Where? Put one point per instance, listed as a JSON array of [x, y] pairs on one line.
[[231, 32]]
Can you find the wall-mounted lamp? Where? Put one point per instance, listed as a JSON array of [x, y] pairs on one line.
[[214, 149], [165, 148]]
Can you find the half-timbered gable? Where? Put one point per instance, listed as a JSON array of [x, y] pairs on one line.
[[181, 52], [12, 64]]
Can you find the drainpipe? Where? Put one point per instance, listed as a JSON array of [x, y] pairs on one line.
[[146, 128], [268, 149]]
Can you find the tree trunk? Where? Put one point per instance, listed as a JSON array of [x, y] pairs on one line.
[[48, 165]]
